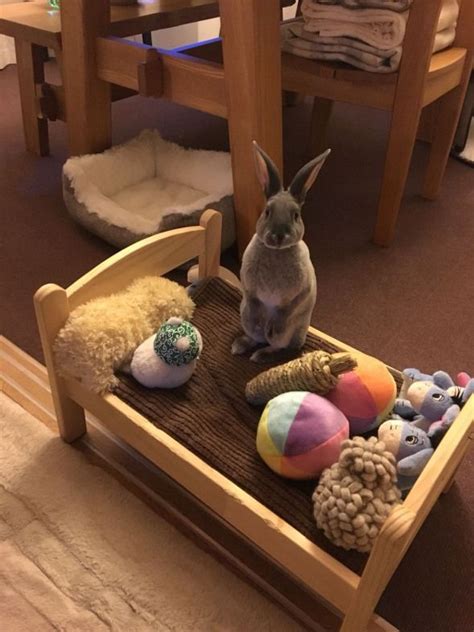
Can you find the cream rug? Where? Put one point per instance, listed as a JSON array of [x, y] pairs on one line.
[[79, 552]]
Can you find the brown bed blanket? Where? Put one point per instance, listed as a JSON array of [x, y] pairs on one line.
[[210, 416]]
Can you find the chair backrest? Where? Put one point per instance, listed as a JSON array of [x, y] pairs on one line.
[[465, 26], [417, 52], [419, 39], [422, 27]]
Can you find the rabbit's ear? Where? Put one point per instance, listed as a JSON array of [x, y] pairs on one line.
[[306, 176], [267, 172]]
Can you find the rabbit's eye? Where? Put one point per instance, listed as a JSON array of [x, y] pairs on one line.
[[296, 216], [267, 212]]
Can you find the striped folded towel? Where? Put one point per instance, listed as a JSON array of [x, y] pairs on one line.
[[369, 39], [351, 51], [393, 5], [380, 28]]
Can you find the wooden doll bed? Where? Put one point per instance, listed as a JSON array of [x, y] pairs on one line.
[[220, 468]]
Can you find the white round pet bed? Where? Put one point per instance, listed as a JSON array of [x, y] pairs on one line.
[[148, 185]]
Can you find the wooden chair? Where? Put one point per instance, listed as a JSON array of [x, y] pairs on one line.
[[421, 79]]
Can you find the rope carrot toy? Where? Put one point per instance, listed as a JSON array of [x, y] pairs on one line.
[[317, 372]]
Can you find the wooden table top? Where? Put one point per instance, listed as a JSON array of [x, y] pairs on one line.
[[35, 21]]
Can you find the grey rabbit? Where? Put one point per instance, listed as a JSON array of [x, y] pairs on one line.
[[277, 275]]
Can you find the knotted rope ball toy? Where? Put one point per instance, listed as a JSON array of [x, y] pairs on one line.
[[317, 372], [355, 495]]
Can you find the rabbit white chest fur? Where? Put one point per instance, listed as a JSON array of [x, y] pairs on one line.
[[277, 277]]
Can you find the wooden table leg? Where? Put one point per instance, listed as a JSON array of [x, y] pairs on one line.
[[30, 60], [322, 109], [252, 64], [88, 102]]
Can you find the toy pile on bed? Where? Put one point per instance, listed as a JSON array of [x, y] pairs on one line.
[[315, 406], [316, 402], [367, 34]]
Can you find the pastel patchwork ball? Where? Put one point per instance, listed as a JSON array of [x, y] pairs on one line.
[[300, 434], [366, 394]]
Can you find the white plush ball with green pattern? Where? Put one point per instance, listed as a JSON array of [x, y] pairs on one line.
[[168, 358]]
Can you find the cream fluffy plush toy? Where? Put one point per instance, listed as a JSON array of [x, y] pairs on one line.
[[168, 358]]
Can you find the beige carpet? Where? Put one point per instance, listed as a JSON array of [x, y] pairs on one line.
[[79, 552]]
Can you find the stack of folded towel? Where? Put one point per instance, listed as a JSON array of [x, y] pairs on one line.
[[367, 34]]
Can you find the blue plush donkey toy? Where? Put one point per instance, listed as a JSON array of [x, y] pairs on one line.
[[426, 408], [411, 446], [425, 399]]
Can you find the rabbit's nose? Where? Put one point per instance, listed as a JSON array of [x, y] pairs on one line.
[[279, 236]]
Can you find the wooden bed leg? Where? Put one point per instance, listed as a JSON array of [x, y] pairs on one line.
[[211, 221], [449, 484], [389, 549], [52, 310]]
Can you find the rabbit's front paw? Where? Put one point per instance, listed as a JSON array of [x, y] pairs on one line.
[[261, 355], [272, 354], [242, 344]]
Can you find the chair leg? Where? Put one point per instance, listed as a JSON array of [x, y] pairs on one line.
[[449, 109], [427, 126], [251, 117], [87, 98], [401, 140], [290, 99], [321, 114], [30, 67]]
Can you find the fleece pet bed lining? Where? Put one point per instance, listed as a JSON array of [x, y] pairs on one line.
[[210, 416], [145, 186]]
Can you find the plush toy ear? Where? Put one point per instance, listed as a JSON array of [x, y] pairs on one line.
[[415, 375], [438, 429], [267, 172], [443, 380], [414, 464], [306, 176]]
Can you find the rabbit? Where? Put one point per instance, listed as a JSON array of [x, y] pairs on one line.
[[277, 275]]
